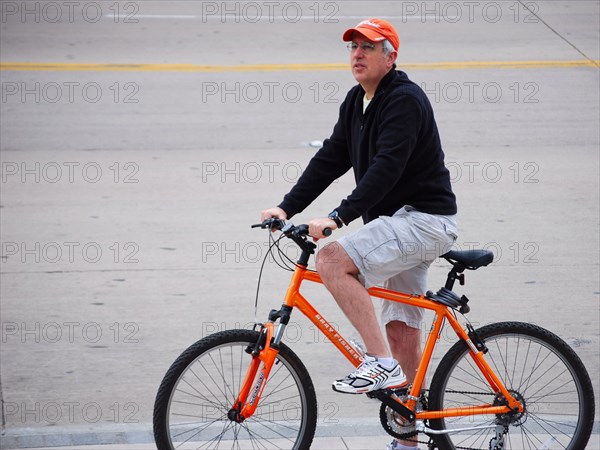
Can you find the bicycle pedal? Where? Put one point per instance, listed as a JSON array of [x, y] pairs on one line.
[[401, 391], [375, 395], [388, 392]]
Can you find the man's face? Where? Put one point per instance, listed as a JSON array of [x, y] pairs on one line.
[[368, 61]]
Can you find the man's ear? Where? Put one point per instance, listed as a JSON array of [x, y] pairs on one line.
[[391, 59]]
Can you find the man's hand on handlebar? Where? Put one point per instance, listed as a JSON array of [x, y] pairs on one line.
[[273, 212], [317, 227]]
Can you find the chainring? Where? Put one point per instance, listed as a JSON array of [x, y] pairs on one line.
[[396, 425]]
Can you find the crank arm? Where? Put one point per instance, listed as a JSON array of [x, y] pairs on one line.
[[391, 400], [421, 428]]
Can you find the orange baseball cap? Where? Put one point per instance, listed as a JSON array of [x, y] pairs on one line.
[[375, 30]]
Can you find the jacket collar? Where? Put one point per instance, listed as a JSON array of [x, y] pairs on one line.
[[387, 80], [384, 83]]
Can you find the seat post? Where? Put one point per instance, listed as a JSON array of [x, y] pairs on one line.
[[455, 274]]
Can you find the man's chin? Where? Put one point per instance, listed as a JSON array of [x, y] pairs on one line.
[[359, 74]]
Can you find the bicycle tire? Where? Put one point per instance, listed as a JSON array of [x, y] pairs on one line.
[[201, 385], [536, 366]]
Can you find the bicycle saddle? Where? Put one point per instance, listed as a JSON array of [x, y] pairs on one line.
[[470, 259]]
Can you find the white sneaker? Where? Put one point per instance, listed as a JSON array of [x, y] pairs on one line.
[[370, 376]]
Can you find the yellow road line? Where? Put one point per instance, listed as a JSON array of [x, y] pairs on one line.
[[66, 67]]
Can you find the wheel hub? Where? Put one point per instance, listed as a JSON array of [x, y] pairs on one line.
[[234, 415], [514, 418]]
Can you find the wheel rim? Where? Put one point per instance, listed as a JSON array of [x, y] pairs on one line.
[[533, 371], [205, 391]]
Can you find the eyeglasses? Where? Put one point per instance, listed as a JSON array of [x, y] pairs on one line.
[[366, 47]]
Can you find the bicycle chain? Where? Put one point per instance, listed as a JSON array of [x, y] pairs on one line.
[[407, 436]]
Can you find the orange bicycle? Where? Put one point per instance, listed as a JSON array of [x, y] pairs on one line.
[[507, 385]]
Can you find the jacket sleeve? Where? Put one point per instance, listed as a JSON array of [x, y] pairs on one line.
[[329, 163], [400, 121]]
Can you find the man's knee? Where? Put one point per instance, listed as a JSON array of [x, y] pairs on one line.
[[333, 260]]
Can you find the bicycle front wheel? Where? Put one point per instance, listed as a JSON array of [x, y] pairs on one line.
[[539, 369], [202, 384]]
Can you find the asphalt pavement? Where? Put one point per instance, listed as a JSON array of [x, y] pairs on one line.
[[140, 140]]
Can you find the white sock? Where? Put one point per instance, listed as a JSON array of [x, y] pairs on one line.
[[388, 362], [400, 446]]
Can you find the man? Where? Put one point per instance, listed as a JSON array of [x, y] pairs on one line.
[[386, 133]]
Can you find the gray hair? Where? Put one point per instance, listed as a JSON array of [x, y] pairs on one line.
[[388, 47]]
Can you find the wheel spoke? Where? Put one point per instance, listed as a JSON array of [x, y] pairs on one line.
[[538, 369], [203, 390]]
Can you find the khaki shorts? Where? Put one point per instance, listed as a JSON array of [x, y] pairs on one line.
[[395, 252]]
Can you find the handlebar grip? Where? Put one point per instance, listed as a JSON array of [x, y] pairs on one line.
[[273, 223], [327, 231]]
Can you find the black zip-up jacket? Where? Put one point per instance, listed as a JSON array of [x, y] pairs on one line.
[[394, 149]]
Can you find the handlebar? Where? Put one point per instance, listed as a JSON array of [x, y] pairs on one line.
[[273, 223], [279, 224], [297, 234]]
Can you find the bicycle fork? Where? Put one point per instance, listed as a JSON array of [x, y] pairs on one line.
[[263, 357]]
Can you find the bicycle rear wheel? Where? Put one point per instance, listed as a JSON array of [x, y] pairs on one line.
[[198, 390], [539, 369]]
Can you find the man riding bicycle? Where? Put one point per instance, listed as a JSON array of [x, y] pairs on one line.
[[386, 132]]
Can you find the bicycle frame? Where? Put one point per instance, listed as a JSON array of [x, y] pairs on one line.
[[294, 299]]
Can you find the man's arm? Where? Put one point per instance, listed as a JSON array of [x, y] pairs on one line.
[[329, 163]]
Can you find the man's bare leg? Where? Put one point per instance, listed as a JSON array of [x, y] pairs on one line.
[[405, 343], [340, 276]]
